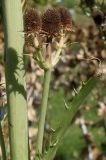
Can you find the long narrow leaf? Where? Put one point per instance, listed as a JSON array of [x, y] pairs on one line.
[[60, 132]]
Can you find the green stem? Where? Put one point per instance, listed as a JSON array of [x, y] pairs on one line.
[[47, 76], [2, 144], [15, 82]]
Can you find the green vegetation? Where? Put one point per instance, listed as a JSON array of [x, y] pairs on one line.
[[52, 68]]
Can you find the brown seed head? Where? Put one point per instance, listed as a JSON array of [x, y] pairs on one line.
[[32, 22], [66, 19], [51, 22], [98, 17]]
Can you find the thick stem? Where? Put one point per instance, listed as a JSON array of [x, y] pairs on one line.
[[2, 144], [47, 76], [15, 82]]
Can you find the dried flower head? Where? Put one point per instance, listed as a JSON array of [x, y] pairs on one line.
[[51, 22], [66, 19], [32, 21], [98, 17]]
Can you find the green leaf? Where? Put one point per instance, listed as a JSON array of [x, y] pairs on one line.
[[65, 124]]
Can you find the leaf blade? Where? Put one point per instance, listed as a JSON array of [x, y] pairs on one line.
[[77, 101]]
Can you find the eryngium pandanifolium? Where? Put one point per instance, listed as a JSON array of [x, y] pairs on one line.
[[98, 17], [51, 23], [66, 19], [32, 21]]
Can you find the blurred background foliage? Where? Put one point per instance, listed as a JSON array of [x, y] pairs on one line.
[[86, 138]]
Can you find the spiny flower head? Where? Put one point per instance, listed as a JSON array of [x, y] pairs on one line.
[[66, 19], [32, 21], [98, 17], [51, 22]]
